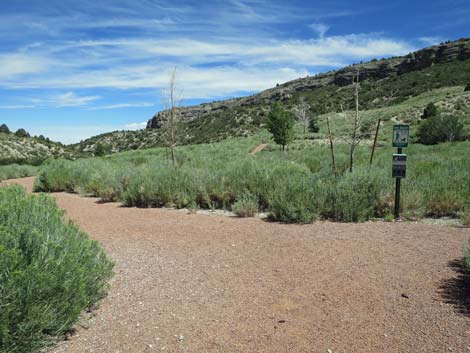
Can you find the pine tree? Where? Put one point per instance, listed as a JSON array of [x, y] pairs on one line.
[[4, 129]]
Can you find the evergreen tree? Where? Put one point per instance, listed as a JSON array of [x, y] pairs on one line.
[[313, 125], [4, 129], [22, 133], [281, 125], [429, 111]]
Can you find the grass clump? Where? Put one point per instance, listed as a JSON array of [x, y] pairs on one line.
[[49, 272], [14, 171], [466, 218], [356, 196], [246, 205], [467, 257]]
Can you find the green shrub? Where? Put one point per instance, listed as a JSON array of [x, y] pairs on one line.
[[60, 175], [246, 205], [429, 111], [444, 205], [49, 272], [440, 128], [313, 125], [292, 196], [14, 171], [355, 197], [466, 218]]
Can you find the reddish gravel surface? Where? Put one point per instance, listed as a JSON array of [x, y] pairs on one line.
[[205, 283]]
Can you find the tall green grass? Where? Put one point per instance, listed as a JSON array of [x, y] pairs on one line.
[[296, 186], [49, 272], [16, 171]]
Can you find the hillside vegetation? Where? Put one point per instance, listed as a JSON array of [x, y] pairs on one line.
[[294, 186], [396, 87], [30, 150]]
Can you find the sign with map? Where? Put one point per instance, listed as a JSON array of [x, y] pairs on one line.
[[401, 134]]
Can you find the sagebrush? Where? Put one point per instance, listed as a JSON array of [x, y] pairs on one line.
[[50, 271], [297, 186]]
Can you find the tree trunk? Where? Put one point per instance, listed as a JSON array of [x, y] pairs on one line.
[[375, 142], [331, 147], [355, 126]]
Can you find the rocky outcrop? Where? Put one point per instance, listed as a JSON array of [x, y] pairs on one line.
[[374, 70]]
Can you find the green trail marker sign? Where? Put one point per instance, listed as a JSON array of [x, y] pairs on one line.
[[401, 135]]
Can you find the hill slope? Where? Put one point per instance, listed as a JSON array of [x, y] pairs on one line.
[[30, 150], [384, 83]]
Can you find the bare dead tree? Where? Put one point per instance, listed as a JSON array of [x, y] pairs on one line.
[[170, 120], [330, 136], [301, 113], [358, 129], [375, 142], [356, 124]]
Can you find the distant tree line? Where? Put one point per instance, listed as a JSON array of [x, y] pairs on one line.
[[19, 133], [22, 133]]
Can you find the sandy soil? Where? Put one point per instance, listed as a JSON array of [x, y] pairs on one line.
[[258, 149], [200, 283]]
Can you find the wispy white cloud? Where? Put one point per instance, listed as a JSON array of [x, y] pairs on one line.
[[206, 68], [17, 106], [430, 40], [18, 64], [68, 99], [320, 29], [122, 105]]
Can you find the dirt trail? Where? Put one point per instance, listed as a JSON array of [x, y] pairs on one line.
[[258, 149], [197, 283]]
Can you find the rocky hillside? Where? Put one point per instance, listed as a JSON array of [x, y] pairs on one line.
[[30, 150], [376, 70], [386, 83]]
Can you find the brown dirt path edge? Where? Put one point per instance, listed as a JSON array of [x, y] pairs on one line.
[[259, 149], [196, 283]]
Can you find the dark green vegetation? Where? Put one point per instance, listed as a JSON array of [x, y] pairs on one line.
[[281, 125], [293, 186], [440, 128], [4, 129], [49, 272], [429, 111]]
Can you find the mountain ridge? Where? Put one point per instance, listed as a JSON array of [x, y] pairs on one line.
[[373, 70]]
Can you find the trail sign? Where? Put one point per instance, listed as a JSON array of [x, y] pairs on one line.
[[401, 135], [399, 166]]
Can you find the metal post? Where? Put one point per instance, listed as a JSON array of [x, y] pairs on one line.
[[397, 194]]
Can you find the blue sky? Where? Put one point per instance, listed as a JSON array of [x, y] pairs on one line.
[[73, 69]]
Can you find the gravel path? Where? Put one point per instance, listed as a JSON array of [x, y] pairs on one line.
[[200, 283]]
